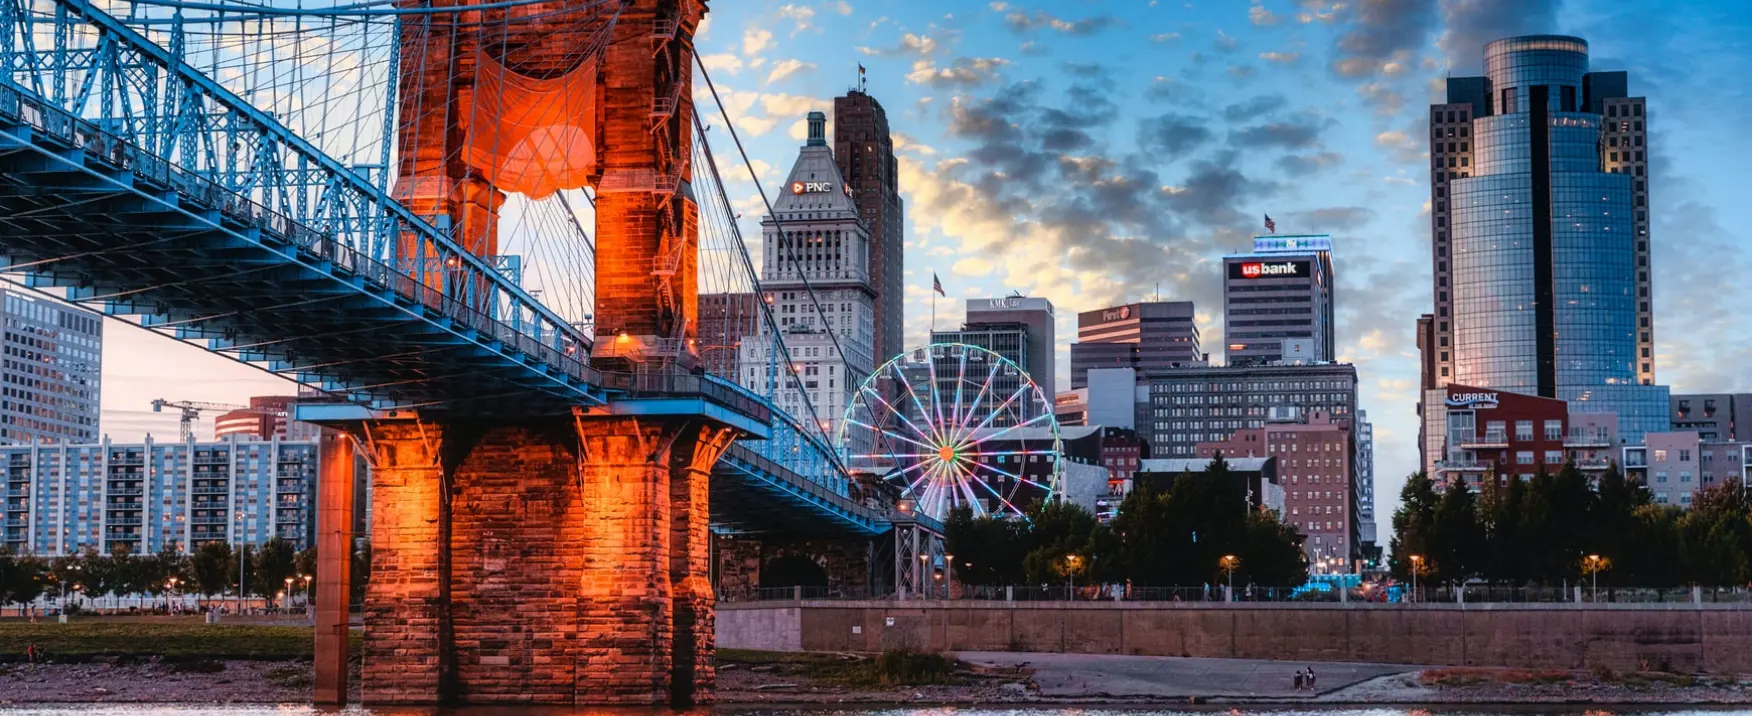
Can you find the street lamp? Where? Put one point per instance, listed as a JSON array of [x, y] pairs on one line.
[[949, 566], [1592, 565], [288, 594], [170, 590], [1416, 564], [1229, 562]]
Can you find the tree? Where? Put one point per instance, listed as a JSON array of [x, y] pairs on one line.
[[1505, 547], [210, 568], [1059, 542], [274, 563], [22, 579], [1413, 523], [1456, 545], [1273, 553]]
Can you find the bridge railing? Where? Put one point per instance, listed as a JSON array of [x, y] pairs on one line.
[[108, 89], [76, 133]]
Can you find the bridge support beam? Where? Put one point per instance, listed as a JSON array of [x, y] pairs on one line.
[[334, 565], [560, 562]]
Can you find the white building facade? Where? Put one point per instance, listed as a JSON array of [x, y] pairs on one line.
[[815, 249]]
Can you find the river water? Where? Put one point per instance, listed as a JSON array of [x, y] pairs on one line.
[[305, 710]]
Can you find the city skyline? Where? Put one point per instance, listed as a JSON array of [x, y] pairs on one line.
[[1239, 133]]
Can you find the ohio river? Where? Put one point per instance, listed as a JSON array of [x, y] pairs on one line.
[[305, 710]]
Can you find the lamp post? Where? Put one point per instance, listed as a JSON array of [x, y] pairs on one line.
[[924, 568], [170, 590], [1416, 564], [1229, 562], [1592, 565], [949, 567], [242, 550], [1071, 561]]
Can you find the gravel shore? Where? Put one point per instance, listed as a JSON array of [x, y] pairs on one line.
[[247, 682]]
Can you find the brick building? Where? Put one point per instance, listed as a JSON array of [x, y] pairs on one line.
[[1316, 468]]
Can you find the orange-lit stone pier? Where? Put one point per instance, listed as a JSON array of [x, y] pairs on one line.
[[560, 559], [563, 562]]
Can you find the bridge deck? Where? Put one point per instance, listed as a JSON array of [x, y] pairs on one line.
[[131, 235]]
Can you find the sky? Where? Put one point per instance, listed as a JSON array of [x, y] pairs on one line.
[[1096, 153]]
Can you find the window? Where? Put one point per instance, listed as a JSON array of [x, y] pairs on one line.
[[1660, 455], [1684, 456], [1660, 476], [1524, 457], [1553, 457], [1523, 430], [1554, 430]]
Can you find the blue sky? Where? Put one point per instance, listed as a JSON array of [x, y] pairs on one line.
[[1090, 152]]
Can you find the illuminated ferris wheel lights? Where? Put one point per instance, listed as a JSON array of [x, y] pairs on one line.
[[934, 446]]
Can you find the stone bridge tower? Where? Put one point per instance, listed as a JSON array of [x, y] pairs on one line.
[[553, 559]]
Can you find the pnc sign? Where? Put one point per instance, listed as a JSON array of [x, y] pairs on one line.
[[811, 187], [1472, 400]]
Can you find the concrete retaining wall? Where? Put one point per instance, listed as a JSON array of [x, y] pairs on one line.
[[1680, 637]]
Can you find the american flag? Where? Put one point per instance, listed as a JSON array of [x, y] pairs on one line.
[[937, 285], [1269, 224]]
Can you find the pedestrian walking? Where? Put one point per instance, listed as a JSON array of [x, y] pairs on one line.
[[1299, 679], [1311, 678]]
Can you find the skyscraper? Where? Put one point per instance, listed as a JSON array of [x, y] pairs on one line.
[[1146, 336], [52, 375], [1539, 211], [1278, 301], [815, 250], [864, 152]]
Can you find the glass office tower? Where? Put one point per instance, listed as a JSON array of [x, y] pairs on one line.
[[1547, 235]]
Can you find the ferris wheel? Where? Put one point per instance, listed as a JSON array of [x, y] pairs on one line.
[[955, 425]]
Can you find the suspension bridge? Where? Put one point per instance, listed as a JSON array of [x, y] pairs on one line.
[[482, 229]]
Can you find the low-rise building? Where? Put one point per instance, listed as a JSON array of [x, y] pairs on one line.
[[1316, 466], [1675, 465]]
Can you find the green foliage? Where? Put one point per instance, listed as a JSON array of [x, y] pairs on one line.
[[1542, 530], [83, 640], [1157, 539], [22, 578], [211, 567]]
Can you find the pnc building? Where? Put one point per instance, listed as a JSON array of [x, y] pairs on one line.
[[1280, 295]]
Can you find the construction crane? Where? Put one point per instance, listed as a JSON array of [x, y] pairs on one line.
[[191, 412]]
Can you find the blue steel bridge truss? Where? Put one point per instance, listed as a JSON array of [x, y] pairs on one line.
[[137, 186]]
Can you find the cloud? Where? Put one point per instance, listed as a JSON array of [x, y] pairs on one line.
[[841, 6], [1165, 37], [973, 266], [726, 61], [1331, 219], [802, 15], [963, 72], [1382, 97], [1260, 16], [1242, 72], [1173, 135], [1253, 108], [910, 44], [1024, 21], [1469, 24], [1381, 36], [1302, 165], [786, 68], [1402, 145], [756, 40], [1300, 133], [1225, 43], [1281, 58], [1322, 10]]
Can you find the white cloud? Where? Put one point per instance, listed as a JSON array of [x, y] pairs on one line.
[[725, 61], [786, 68], [963, 72], [756, 40], [1281, 58], [841, 6], [803, 15], [1261, 16], [1165, 37], [973, 266]]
